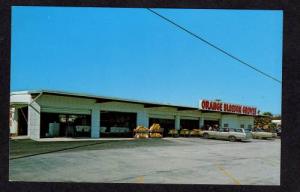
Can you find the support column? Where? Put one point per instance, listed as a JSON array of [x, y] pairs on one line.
[[34, 120], [142, 119], [252, 122], [201, 122], [177, 122], [221, 122], [95, 127], [13, 124]]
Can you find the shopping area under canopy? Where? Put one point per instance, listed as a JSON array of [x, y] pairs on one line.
[[45, 113]]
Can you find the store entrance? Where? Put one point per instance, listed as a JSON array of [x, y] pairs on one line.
[[22, 121], [117, 124], [213, 124], [189, 124], [65, 125], [165, 124]]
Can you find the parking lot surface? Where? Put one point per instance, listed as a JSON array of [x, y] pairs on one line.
[[169, 160]]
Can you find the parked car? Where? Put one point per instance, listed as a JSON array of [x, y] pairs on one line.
[[231, 134], [261, 134], [278, 131], [196, 132]]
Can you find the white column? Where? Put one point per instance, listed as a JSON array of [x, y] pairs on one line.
[[95, 128], [34, 120], [201, 122], [177, 122], [251, 119], [14, 121], [142, 119], [221, 122]]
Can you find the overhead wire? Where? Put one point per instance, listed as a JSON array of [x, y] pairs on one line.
[[214, 46]]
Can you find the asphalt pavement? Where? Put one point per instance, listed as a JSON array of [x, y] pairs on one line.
[[176, 160]]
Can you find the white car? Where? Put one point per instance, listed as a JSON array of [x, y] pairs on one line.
[[261, 134], [230, 134]]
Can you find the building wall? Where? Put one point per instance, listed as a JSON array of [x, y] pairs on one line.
[[121, 107], [211, 116], [64, 104], [247, 120], [20, 98], [231, 120], [235, 121]]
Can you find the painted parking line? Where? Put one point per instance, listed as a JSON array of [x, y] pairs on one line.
[[140, 179], [228, 174]]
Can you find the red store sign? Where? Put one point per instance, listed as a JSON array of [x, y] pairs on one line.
[[226, 107]]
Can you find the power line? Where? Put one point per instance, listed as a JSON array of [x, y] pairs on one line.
[[214, 46]]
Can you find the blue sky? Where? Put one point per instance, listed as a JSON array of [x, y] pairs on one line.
[[134, 54]]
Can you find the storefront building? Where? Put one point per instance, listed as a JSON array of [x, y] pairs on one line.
[[44, 113]]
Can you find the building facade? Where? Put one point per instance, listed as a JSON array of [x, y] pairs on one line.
[[41, 114]]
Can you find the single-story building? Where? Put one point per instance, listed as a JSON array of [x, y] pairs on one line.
[[45, 113], [277, 122]]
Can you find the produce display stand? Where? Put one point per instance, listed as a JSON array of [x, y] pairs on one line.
[[195, 133], [156, 131], [173, 133], [156, 134], [184, 132], [141, 132]]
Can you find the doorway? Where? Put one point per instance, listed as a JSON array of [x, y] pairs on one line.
[[22, 121], [165, 124]]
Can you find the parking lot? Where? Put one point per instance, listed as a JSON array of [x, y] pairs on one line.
[[168, 160]]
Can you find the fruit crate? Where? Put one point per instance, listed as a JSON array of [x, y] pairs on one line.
[[141, 132], [184, 132]]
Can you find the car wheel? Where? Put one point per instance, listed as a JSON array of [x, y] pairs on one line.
[[232, 138], [205, 135]]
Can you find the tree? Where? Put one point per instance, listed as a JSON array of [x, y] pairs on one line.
[[264, 121], [267, 114]]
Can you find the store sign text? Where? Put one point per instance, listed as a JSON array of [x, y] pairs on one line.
[[226, 107]]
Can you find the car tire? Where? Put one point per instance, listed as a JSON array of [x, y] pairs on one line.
[[232, 138], [205, 135]]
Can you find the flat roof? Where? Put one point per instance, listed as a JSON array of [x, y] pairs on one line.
[[103, 99]]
